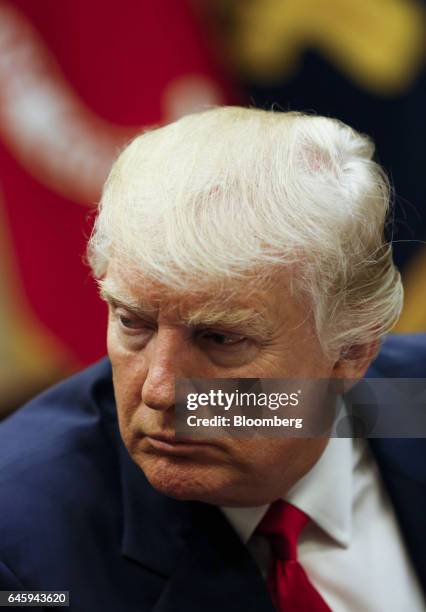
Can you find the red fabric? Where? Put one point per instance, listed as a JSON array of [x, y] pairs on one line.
[[77, 80], [288, 583]]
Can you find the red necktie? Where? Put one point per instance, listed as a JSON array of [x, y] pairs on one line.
[[289, 586]]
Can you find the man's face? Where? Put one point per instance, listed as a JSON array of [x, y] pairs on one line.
[[154, 338]]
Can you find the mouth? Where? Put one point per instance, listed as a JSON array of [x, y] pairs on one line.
[[174, 445]]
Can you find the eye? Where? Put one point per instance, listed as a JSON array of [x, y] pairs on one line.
[[222, 339], [130, 322]]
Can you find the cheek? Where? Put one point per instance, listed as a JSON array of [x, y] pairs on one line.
[[128, 375], [127, 391]]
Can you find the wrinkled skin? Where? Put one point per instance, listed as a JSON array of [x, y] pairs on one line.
[[152, 346]]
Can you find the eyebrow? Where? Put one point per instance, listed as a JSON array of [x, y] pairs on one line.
[[133, 306], [244, 320]]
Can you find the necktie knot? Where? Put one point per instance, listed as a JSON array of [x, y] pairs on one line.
[[282, 526]]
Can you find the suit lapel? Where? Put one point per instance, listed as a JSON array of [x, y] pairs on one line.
[[216, 572], [402, 466]]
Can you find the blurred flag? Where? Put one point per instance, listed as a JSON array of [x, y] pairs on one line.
[[77, 80]]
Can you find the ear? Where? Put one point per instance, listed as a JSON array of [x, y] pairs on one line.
[[354, 360]]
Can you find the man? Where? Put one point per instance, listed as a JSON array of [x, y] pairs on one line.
[[234, 243]]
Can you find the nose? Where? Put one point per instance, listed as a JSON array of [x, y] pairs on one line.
[[169, 356]]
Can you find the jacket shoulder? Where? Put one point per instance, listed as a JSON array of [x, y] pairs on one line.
[[401, 356], [57, 459], [57, 413]]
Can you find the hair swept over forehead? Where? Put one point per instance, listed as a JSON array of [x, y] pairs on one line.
[[231, 193]]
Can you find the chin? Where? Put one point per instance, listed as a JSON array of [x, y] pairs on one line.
[[182, 479]]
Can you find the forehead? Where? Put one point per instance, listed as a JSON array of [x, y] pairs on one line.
[[271, 301]]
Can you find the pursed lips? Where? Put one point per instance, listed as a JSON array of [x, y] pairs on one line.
[[171, 443]]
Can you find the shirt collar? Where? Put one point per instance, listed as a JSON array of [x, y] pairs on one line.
[[324, 493]]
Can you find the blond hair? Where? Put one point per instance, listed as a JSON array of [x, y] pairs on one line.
[[228, 191]]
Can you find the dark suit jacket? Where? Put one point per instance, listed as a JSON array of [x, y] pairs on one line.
[[77, 514]]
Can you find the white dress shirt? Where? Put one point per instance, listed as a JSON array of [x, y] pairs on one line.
[[352, 550]]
